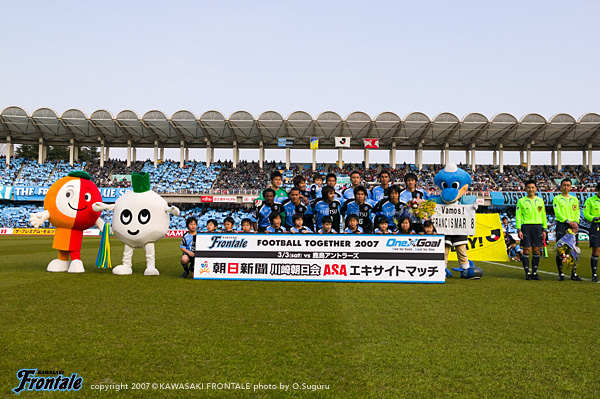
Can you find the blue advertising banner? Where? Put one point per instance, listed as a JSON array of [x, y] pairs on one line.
[[510, 198], [34, 193]]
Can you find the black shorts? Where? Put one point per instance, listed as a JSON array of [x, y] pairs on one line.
[[453, 241], [191, 262], [594, 235], [262, 229], [561, 230], [532, 235]]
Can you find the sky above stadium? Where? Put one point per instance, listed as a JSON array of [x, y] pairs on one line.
[[432, 56]]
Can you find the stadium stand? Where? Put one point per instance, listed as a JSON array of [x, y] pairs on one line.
[[248, 178], [9, 172]]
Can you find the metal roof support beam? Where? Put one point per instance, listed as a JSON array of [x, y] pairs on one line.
[[426, 129], [107, 156], [558, 157], [133, 154], [155, 154], [553, 158], [447, 152], [101, 153], [261, 154], [590, 163], [181, 153], [468, 156], [472, 157], [442, 160], [287, 158], [208, 153], [501, 157], [594, 135], [508, 132], [314, 160], [340, 155], [366, 158], [419, 155], [187, 154], [521, 158], [566, 132], [8, 149], [162, 153], [71, 151], [529, 157], [128, 153], [393, 155], [495, 158], [76, 153], [236, 154]]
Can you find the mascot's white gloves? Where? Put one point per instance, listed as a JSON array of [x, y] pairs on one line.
[[475, 206], [38, 219], [173, 210]]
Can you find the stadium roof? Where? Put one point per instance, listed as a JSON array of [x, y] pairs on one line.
[[248, 131]]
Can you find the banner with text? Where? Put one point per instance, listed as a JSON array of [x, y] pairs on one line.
[[510, 198], [454, 219], [340, 258], [36, 193], [488, 243]]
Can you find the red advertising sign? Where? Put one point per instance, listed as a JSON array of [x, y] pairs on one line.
[[206, 198], [220, 198]]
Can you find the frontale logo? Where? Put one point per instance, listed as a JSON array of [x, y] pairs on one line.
[[28, 381], [220, 242]]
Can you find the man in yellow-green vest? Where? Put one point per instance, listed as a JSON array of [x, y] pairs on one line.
[[532, 226], [591, 212], [566, 210]]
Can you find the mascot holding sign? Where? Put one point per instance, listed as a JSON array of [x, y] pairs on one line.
[[140, 218], [454, 183], [69, 206]]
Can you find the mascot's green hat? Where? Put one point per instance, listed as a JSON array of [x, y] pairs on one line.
[[81, 174], [140, 182]]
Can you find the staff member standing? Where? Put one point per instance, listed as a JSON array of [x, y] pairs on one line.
[[532, 225], [566, 210], [591, 213]]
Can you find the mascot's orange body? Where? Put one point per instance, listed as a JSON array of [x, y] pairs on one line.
[[68, 207]]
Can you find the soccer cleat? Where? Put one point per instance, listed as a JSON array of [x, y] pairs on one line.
[[535, 276], [575, 277], [561, 277], [185, 274], [595, 278], [528, 276]]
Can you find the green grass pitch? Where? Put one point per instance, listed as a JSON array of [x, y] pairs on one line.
[[499, 337]]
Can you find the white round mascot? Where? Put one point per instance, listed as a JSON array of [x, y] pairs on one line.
[[140, 218]]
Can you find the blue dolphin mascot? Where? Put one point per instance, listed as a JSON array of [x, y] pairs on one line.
[[454, 183]]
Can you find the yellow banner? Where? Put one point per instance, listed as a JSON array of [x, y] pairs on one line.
[[488, 241], [314, 143], [32, 231]]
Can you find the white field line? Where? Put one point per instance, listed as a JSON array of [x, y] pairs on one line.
[[521, 268]]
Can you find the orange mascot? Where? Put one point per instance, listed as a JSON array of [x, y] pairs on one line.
[[68, 207]]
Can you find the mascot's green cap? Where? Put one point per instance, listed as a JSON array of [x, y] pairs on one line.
[[140, 182], [81, 174]]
